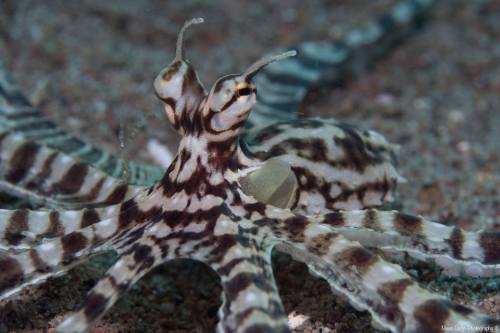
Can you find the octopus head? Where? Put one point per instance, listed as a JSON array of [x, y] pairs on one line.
[[232, 97], [192, 111]]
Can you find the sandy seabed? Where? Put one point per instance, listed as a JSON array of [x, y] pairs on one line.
[[90, 65]]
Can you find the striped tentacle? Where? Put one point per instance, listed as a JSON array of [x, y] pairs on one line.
[[337, 165], [458, 251], [251, 302], [22, 229], [53, 178], [23, 267], [18, 115], [394, 300], [133, 264], [249, 294], [51, 258], [283, 85]]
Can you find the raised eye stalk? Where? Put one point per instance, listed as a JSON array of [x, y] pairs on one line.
[[259, 64], [179, 50]]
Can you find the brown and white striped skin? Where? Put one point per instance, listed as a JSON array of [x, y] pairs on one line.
[[17, 115], [282, 87], [41, 162], [52, 178], [199, 210], [22, 228], [395, 301], [337, 165]]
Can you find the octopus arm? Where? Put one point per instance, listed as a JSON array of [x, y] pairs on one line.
[[283, 85], [251, 299], [133, 263], [475, 254], [22, 229], [395, 301], [24, 267], [251, 302], [49, 177], [17, 115]]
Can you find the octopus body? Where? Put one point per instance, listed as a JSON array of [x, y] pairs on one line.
[[309, 188]]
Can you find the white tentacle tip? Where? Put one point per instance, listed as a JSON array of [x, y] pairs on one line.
[[253, 69], [197, 20], [180, 38], [291, 53], [188, 23]]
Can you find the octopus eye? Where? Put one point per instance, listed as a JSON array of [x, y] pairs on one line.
[[244, 91]]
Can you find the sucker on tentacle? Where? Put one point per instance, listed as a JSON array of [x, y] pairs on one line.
[[207, 207]]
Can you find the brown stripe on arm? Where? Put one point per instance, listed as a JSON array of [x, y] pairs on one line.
[[356, 259], [94, 191], [71, 244], [11, 273], [251, 299], [72, 180], [55, 226], [95, 305], [392, 293], [90, 216], [431, 316], [370, 220], [38, 264], [118, 194], [408, 225], [86, 198], [320, 244], [456, 242], [21, 161], [36, 182], [490, 243], [17, 224], [295, 227], [335, 219]]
